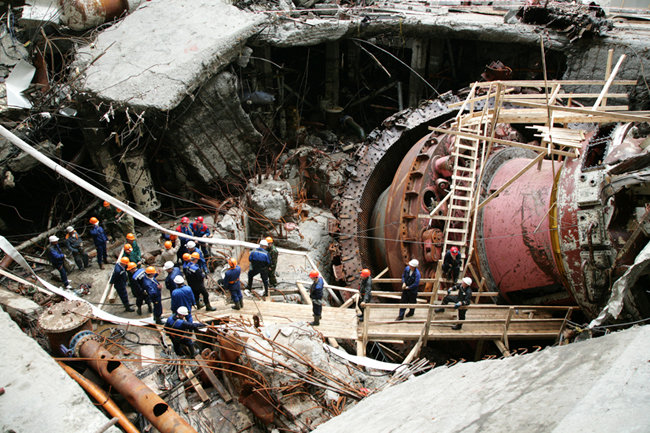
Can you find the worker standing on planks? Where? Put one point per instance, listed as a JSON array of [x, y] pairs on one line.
[[201, 230], [185, 229], [231, 282], [410, 283], [178, 329], [119, 279], [183, 296], [316, 295], [57, 258], [452, 263], [76, 246], [137, 253], [273, 257], [463, 298], [195, 278], [136, 282], [365, 291], [100, 239], [152, 288], [172, 272], [260, 262]]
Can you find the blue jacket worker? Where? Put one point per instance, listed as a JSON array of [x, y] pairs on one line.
[[231, 282], [191, 249], [410, 283], [172, 272], [136, 282], [195, 278], [179, 331], [119, 280], [201, 230], [57, 258], [100, 239], [76, 246], [183, 296], [316, 295], [260, 263], [152, 287]]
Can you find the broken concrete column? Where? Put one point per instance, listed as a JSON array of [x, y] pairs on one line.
[[332, 73], [418, 64], [213, 134], [142, 186]]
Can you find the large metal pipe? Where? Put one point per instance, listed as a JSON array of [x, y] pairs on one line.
[[88, 345]]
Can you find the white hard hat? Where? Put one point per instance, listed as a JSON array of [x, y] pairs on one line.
[[191, 244], [467, 280], [168, 265], [182, 310], [264, 243], [178, 279], [54, 239], [414, 263], [69, 229]]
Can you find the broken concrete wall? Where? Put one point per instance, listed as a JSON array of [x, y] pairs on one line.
[[213, 134]]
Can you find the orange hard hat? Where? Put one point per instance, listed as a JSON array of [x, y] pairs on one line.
[[130, 236], [128, 247], [168, 244], [118, 210], [173, 238], [125, 260], [232, 262], [196, 255], [106, 204], [94, 220], [313, 274], [130, 266], [365, 273], [186, 256], [150, 270], [269, 239]]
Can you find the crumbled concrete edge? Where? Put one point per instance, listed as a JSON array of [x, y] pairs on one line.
[[38, 392]]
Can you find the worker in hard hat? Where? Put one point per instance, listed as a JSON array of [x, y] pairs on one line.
[[172, 272], [462, 299], [195, 278], [106, 215], [191, 249], [152, 287], [260, 262], [201, 230], [183, 227], [410, 283], [365, 291], [168, 253], [124, 222], [76, 246], [136, 255], [136, 282], [452, 264], [182, 296], [316, 296], [99, 238], [273, 257], [179, 330], [119, 280], [231, 282], [186, 263], [57, 258], [127, 251]]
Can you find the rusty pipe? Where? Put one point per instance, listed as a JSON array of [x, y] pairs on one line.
[[123, 380], [102, 398]]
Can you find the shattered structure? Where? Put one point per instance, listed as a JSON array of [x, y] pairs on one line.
[[355, 135]]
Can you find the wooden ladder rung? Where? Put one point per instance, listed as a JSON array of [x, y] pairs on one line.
[[462, 178]]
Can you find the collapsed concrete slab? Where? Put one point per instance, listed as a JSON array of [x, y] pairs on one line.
[[185, 44], [38, 391], [595, 385]]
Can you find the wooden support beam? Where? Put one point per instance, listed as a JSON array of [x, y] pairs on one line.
[[506, 326], [478, 353], [502, 348], [381, 274], [350, 301], [567, 317], [511, 180], [223, 392], [608, 71], [195, 383], [303, 293], [609, 81]]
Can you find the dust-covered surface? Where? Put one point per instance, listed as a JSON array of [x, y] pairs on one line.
[[39, 395], [185, 43], [599, 385]]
